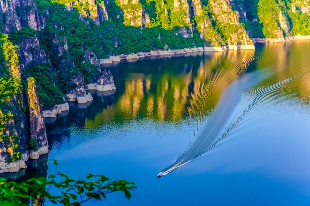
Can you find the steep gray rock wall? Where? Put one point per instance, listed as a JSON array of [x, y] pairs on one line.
[[37, 125], [16, 14], [30, 53]]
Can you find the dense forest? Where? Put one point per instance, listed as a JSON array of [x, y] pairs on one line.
[[69, 29]]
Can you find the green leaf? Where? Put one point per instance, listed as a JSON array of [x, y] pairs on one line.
[[73, 196], [89, 176], [7, 184], [93, 195], [51, 176], [64, 175], [127, 194], [103, 195], [55, 162]]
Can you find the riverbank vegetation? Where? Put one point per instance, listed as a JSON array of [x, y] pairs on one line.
[[111, 28]]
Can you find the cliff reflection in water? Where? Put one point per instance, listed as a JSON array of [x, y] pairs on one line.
[[166, 93], [171, 90]]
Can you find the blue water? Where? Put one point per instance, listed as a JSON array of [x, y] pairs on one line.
[[265, 160]]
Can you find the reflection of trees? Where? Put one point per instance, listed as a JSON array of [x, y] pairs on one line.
[[168, 95], [289, 59], [169, 90], [209, 83], [298, 61]]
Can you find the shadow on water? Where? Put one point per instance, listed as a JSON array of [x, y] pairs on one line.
[[60, 131]]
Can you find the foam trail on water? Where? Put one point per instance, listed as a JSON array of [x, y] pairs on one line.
[[218, 119], [209, 137]]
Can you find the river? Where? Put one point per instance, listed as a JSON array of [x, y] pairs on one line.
[[228, 128]]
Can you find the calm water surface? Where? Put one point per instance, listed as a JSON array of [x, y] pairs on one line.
[[253, 105]]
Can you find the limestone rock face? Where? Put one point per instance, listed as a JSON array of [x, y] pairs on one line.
[[102, 11], [197, 8], [105, 82], [304, 6], [14, 127], [15, 166], [224, 12], [89, 9], [204, 25], [37, 125], [185, 32], [226, 15], [106, 61], [284, 23], [76, 90], [31, 53], [16, 14], [237, 6], [50, 116], [59, 46], [92, 58], [133, 12]]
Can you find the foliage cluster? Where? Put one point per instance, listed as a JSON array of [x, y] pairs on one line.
[[10, 89], [268, 13], [37, 191], [49, 94], [16, 37], [263, 18], [33, 144], [110, 38]]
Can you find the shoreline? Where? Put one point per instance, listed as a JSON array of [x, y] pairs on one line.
[[181, 52], [50, 116], [281, 40], [170, 53]]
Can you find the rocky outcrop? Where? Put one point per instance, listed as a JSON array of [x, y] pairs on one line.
[[284, 24], [224, 13], [237, 6], [76, 90], [18, 14], [92, 58], [50, 116], [185, 32], [30, 53], [59, 46], [105, 82], [133, 12], [274, 22], [302, 6], [89, 9], [165, 53], [37, 125], [181, 9]]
